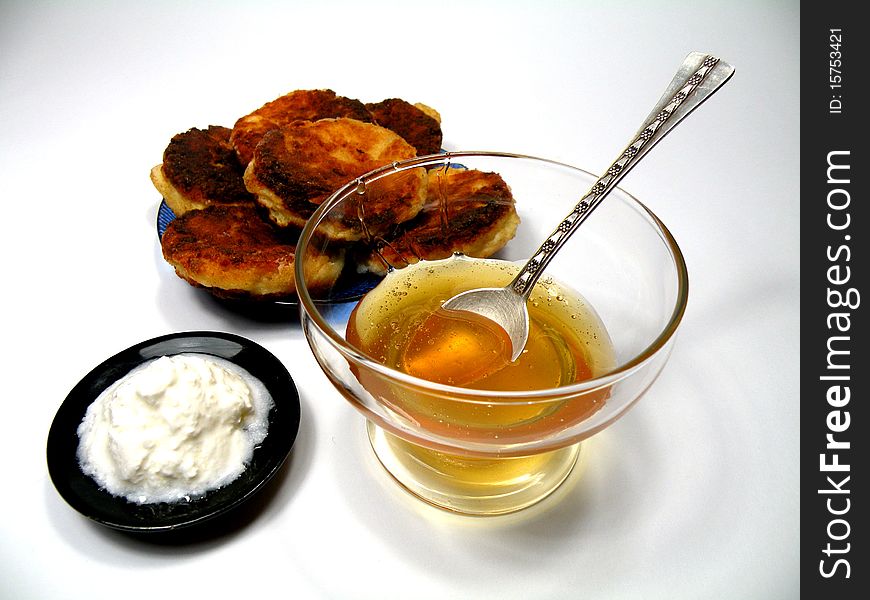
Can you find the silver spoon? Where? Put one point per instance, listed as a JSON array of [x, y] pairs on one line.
[[699, 76]]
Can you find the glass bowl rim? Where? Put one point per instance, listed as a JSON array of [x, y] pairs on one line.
[[309, 307]]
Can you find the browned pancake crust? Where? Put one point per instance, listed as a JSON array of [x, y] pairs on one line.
[[415, 126], [297, 167], [235, 253], [305, 105], [200, 168], [467, 211]]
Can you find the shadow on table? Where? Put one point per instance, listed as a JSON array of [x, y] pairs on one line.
[[605, 483]]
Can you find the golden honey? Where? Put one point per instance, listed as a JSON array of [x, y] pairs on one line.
[[399, 325]]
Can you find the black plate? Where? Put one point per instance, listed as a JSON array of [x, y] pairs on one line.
[[84, 494]]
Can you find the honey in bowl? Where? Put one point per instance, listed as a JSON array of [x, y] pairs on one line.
[[456, 348], [400, 324]]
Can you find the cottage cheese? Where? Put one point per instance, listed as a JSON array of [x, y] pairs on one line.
[[174, 428]]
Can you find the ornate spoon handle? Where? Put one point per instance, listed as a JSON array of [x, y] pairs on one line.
[[699, 76]]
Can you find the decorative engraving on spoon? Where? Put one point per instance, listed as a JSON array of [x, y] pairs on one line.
[[525, 280], [697, 79]]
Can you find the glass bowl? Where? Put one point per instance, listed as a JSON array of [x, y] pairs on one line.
[[480, 451]]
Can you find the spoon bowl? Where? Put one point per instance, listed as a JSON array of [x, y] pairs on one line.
[[502, 306]]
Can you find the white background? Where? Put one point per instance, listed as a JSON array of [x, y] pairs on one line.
[[694, 494]]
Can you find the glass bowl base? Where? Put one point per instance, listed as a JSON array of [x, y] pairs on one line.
[[472, 485]]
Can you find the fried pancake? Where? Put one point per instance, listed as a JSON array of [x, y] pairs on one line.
[[235, 253], [415, 125], [467, 211], [297, 167], [200, 168], [304, 105], [429, 111]]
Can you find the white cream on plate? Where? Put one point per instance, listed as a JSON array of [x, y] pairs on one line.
[[174, 428]]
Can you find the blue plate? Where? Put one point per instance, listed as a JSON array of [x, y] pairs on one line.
[[165, 216]]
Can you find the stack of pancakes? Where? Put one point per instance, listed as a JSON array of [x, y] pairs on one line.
[[242, 195]]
